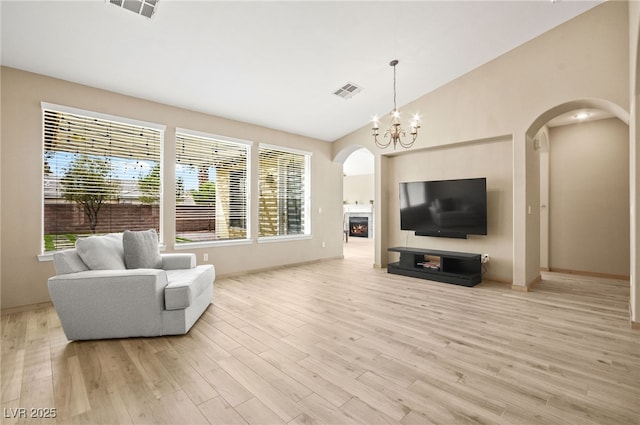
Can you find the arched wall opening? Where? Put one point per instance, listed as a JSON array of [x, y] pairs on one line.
[[540, 185], [556, 111], [358, 207]]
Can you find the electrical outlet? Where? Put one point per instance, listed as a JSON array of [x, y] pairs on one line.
[[485, 258], [205, 257], [323, 244]]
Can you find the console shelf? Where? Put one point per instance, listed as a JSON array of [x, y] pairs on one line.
[[459, 268]]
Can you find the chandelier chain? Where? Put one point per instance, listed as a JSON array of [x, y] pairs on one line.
[[395, 108]]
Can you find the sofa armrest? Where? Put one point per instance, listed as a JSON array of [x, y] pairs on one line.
[[178, 261], [109, 303]]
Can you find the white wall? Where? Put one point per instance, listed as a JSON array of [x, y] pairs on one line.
[[358, 183], [589, 198], [358, 162], [358, 189]]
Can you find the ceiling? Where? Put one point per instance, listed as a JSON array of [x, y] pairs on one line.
[[275, 64]]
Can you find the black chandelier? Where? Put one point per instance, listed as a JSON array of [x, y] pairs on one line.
[[395, 133]]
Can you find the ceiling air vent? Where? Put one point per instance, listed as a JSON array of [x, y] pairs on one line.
[[139, 7], [348, 91]]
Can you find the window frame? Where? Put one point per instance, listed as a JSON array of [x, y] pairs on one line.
[[48, 255], [306, 210], [249, 230]]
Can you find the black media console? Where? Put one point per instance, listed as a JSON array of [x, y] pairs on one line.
[[460, 268]]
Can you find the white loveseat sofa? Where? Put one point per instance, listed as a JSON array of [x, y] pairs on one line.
[[118, 286]]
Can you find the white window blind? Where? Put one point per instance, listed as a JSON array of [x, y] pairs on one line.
[[100, 176], [284, 192], [211, 188]]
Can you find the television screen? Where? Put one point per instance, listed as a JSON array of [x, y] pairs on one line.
[[447, 208]]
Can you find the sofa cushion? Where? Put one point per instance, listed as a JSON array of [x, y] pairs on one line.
[[102, 252], [141, 249], [178, 261], [68, 261], [185, 285]]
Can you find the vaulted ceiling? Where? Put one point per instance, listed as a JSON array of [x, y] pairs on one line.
[[275, 64]]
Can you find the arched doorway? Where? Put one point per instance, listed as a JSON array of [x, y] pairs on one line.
[[358, 203], [583, 187]]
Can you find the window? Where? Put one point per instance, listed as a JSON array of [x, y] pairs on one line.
[[284, 192], [211, 187], [101, 174]]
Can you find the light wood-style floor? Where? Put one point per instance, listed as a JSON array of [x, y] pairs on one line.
[[340, 342]]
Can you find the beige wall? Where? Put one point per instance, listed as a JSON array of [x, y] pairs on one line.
[[490, 159], [589, 197], [358, 188], [634, 154], [585, 58], [24, 278], [1, 144]]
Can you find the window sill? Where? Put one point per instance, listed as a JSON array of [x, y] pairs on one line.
[[47, 256], [211, 244], [285, 238]]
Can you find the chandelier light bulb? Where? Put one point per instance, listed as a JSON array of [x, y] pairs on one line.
[[376, 126], [395, 120]]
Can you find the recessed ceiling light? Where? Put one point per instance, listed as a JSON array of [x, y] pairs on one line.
[[583, 115], [139, 7]]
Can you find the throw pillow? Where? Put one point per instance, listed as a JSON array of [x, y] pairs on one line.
[[141, 250], [102, 252]]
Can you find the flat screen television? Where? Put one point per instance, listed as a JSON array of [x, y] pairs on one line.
[[444, 208]]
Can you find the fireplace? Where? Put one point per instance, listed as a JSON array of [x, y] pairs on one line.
[[359, 227]]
